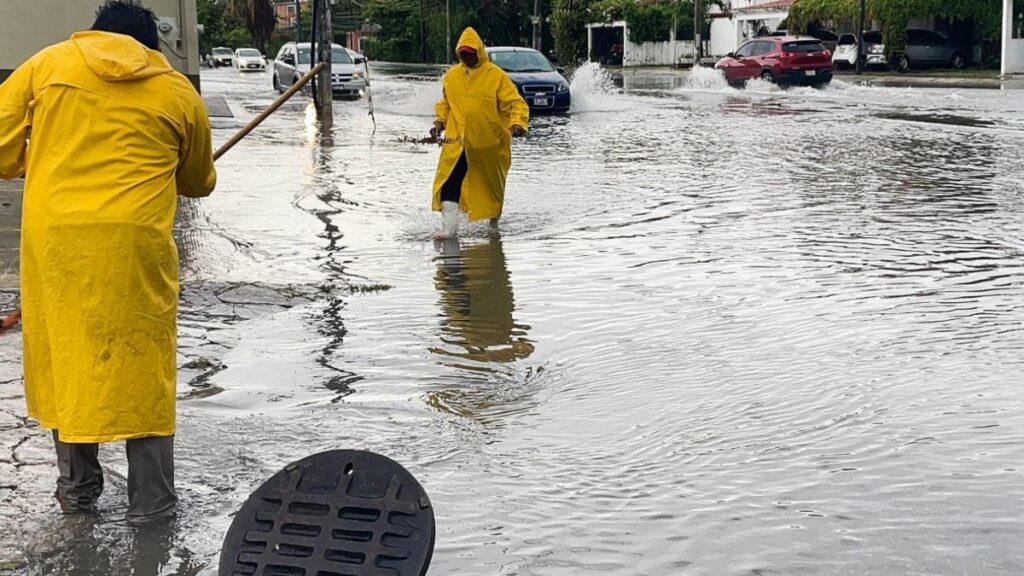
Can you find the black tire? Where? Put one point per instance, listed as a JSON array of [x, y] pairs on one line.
[[767, 76], [903, 63], [958, 62], [277, 84]]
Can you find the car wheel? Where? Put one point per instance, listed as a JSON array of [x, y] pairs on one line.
[[959, 62], [903, 64], [767, 76], [277, 85]]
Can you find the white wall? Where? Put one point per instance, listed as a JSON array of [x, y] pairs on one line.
[[1013, 48], [724, 37], [31, 25], [656, 53]]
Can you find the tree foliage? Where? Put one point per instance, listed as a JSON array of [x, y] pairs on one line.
[[412, 29], [259, 18], [220, 27], [894, 15]]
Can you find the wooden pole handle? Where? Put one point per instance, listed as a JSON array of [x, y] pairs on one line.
[[270, 110]]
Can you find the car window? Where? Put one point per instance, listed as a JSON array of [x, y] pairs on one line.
[[249, 53], [510, 61], [917, 37], [933, 38], [847, 40], [825, 35], [803, 46], [872, 37], [746, 50], [338, 55], [766, 48]]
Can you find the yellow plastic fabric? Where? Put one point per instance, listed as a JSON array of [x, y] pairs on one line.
[[116, 135], [479, 108]]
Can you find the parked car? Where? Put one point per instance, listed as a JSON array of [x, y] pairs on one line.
[[250, 60], [541, 84], [360, 61], [293, 61], [783, 60], [222, 56], [845, 54], [924, 48]]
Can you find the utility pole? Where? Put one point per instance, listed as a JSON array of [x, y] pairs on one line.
[[325, 39], [298, 21], [423, 35], [861, 53], [536, 25], [698, 29]]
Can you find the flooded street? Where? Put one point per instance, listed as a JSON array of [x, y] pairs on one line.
[[722, 332]]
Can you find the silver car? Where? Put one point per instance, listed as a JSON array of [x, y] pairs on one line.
[[293, 62], [924, 49]]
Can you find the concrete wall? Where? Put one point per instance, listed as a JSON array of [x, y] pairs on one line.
[[31, 25], [1013, 47]]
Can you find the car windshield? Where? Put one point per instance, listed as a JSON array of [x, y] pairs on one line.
[[521, 61], [338, 56], [847, 40], [223, 51], [249, 53], [803, 46], [872, 37]]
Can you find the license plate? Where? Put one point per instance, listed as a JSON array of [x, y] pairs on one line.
[[541, 102], [809, 72]]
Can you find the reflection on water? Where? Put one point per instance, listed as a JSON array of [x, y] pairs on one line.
[[478, 331], [477, 301]]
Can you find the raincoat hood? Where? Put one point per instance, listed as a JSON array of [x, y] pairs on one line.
[[472, 39], [116, 57]]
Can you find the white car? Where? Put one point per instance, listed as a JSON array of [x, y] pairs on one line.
[[250, 60], [846, 53]]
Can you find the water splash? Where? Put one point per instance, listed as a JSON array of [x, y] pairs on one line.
[[702, 78], [592, 88]]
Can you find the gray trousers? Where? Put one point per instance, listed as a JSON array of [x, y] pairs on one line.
[[151, 492]]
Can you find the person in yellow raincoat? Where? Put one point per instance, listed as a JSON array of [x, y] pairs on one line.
[[107, 135], [480, 110]]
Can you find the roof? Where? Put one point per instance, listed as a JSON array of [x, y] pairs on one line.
[[771, 6], [509, 49]]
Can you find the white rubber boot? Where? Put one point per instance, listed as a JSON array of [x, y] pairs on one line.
[[449, 221]]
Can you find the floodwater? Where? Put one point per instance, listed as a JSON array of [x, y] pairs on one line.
[[722, 332]]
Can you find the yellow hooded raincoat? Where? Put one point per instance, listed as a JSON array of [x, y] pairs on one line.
[[115, 135], [479, 107]]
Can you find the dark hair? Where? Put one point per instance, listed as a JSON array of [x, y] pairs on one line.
[[130, 18]]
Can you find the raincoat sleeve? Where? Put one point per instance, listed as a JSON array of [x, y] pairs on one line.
[[510, 102], [196, 175], [442, 109], [16, 99]]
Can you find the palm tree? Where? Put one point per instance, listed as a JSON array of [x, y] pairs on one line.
[[259, 18]]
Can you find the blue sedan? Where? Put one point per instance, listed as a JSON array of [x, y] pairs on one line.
[[543, 87]]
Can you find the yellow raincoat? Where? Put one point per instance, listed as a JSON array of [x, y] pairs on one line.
[[479, 107], [116, 134]]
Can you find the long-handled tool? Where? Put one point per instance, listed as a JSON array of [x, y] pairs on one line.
[[13, 318]]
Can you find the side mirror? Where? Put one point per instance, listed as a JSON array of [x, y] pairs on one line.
[[560, 70], [730, 55]]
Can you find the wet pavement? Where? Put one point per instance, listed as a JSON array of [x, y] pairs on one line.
[[722, 332]]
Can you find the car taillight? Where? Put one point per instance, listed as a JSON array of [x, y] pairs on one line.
[[787, 55]]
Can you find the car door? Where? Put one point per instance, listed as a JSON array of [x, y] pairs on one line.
[[919, 49], [759, 58], [734, 70], [941, 51]]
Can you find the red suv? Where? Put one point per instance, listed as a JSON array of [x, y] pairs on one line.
[[783, 60]]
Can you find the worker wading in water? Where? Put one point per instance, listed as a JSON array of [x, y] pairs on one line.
[[480, 110], [116, 134]]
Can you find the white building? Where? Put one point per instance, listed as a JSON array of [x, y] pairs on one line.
[[744, 21], [1013, 37], [610, 40]]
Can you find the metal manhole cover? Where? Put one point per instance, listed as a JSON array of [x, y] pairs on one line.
[[337, 513]]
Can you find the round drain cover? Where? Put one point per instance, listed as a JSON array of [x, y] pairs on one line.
[[337, 513]]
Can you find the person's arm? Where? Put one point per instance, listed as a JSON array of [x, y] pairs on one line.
[[510, 102], [196, 175], [16, 97], [442, 109]]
